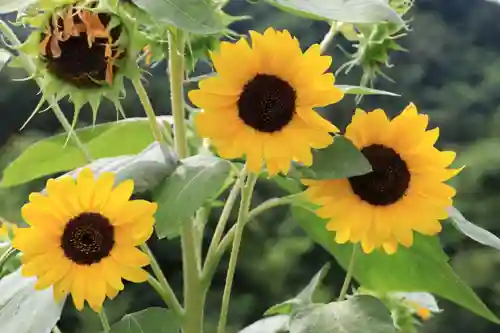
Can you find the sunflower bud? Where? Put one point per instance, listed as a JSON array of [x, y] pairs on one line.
[[83, 50]]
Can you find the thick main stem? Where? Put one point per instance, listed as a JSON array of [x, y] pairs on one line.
[[246, 198], [194, 296], [30, 68]]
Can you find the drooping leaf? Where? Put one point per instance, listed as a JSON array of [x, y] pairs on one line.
[[51, 155], [355, 90], [471, 230], [147, 169], [151, 320], [303, 298], [352, 11], [275, 324], [341, 159], [360, 314], [4, 56], [423, 267], [25, 310], [196, 180], [9, 6], [197, 16]]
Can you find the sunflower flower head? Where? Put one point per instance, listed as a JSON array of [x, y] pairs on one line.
[[83, 236], [260, 103], [83, 50], [404, 193]]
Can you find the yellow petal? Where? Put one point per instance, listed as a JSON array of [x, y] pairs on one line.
[[133, 274], [30, 241], [118, 197], [78, 286], [218, 86], [111, 271], [104, 186], [391, 246], [134, 210], [63, 286], [312, 118], [212, 102], [235, 62], [110, 292], [131, 256], [95, 290], [59, 268], [85, 185]]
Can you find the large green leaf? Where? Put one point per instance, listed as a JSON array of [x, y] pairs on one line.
[[147, 169], [197, 16], [4, 57], [8, 6], [423, 267], [352, 11], [196, 180], [360, 314], [151, 320], [51, 155], [275, 324], [342, 159], [25, 310], [356, 90], [473, 231]]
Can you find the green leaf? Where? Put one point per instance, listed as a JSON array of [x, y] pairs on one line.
[[342, 159], [151, 320], [275, 324], [25, 310], [196, 180], [355, 90], [197, 16], [4, 57], [9, 6], [360, 314], [424, 300], [147, 169], [423, 267], [473, 231], [51, 155], [303, 298], [352, 11]]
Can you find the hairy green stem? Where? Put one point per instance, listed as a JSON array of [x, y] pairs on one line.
[[104, 321], [166, 292], [246, 198], [348, 277], [150, 113], [6, 256], [176, 74], [327, 40], [30, 68], [211, 259]]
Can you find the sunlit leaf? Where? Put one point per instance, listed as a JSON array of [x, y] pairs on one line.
[[275, 324], [423, 267], [360, 314], [4, 57], [9, 6], [196, 180], [197, 16], [473, 231], [25, 310], [51, 155], [355, 90], [352, 11], [151, 320]]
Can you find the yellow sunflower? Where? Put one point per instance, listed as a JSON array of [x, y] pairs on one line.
[[261, 102], [405, 192], [83, 235]]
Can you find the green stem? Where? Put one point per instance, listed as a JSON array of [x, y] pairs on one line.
[[176, 73], [246, 198], [56, 329], [104, 321], [6, 256], [30, 68], [148, 109], [194, 295], [327, 40], [348, 277], [211, 261], [200, 222], [166, 291]]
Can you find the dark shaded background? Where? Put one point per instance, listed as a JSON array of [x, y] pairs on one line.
[[452, 72]]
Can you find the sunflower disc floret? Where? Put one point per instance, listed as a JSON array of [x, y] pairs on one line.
[[405, 192], [261, 102], [82, 237]]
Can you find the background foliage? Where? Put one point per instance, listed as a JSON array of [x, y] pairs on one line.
[[452, 72]]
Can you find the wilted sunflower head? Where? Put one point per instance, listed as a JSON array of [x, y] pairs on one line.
[[261, 103], [405, 192], [83, 50], [83, 236]]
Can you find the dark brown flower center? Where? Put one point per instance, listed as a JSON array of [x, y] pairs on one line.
[[388, 181], [79, 49], [267, 103], [88, 238]]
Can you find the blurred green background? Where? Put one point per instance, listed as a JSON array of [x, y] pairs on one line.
[[452, 72]]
